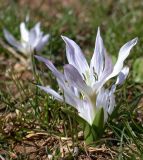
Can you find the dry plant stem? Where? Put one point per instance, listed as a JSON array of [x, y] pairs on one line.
[[12, 51]]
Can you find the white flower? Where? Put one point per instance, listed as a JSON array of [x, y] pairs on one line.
[[83, 84], [31, 40]]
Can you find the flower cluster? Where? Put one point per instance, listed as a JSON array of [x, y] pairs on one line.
[[31, 40], [83, 84]]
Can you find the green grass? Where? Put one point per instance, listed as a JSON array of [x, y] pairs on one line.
[[26, 110]]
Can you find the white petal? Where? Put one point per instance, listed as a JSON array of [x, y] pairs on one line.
[[12, 41], [42, 43], [32, 38], [75, 56], [52, 92], [50, 65], [122, 75], [106, 72], [112, 103], [24, 32], [108, 68], [37, 28], [105, 99], [101, 63], [74, 78], [102, 99], [71, 99], [97, 61], [120, 79], [123, 54], [87, 111], [35, 36], [70, 96]]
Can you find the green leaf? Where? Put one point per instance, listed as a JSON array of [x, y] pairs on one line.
[[138, 70], [92, 133], [98, 123], [89, 134]]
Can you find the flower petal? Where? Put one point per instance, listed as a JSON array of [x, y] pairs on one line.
[[50, 65], [122, 75], [35, 36], [71, 99], [106, 99], [108, 68], [123, 54], [87, 111], [37, 28], [11, 40], [106, 72], [42, 43], [32, 38], [24, 32], [120, 79], [74, 78], [111, 102], [75, 55], [97, 61], [52, 92], [69, 96]]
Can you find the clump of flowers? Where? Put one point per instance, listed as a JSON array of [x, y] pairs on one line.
[[83, 84], [31, 41]]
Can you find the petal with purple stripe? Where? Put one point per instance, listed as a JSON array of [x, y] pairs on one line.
[[75, 56]]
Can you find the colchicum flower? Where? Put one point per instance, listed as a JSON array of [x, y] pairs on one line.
[[31, 40], [83, 83]]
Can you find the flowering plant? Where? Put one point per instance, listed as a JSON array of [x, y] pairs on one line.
[[83, 84], [31, 40]]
